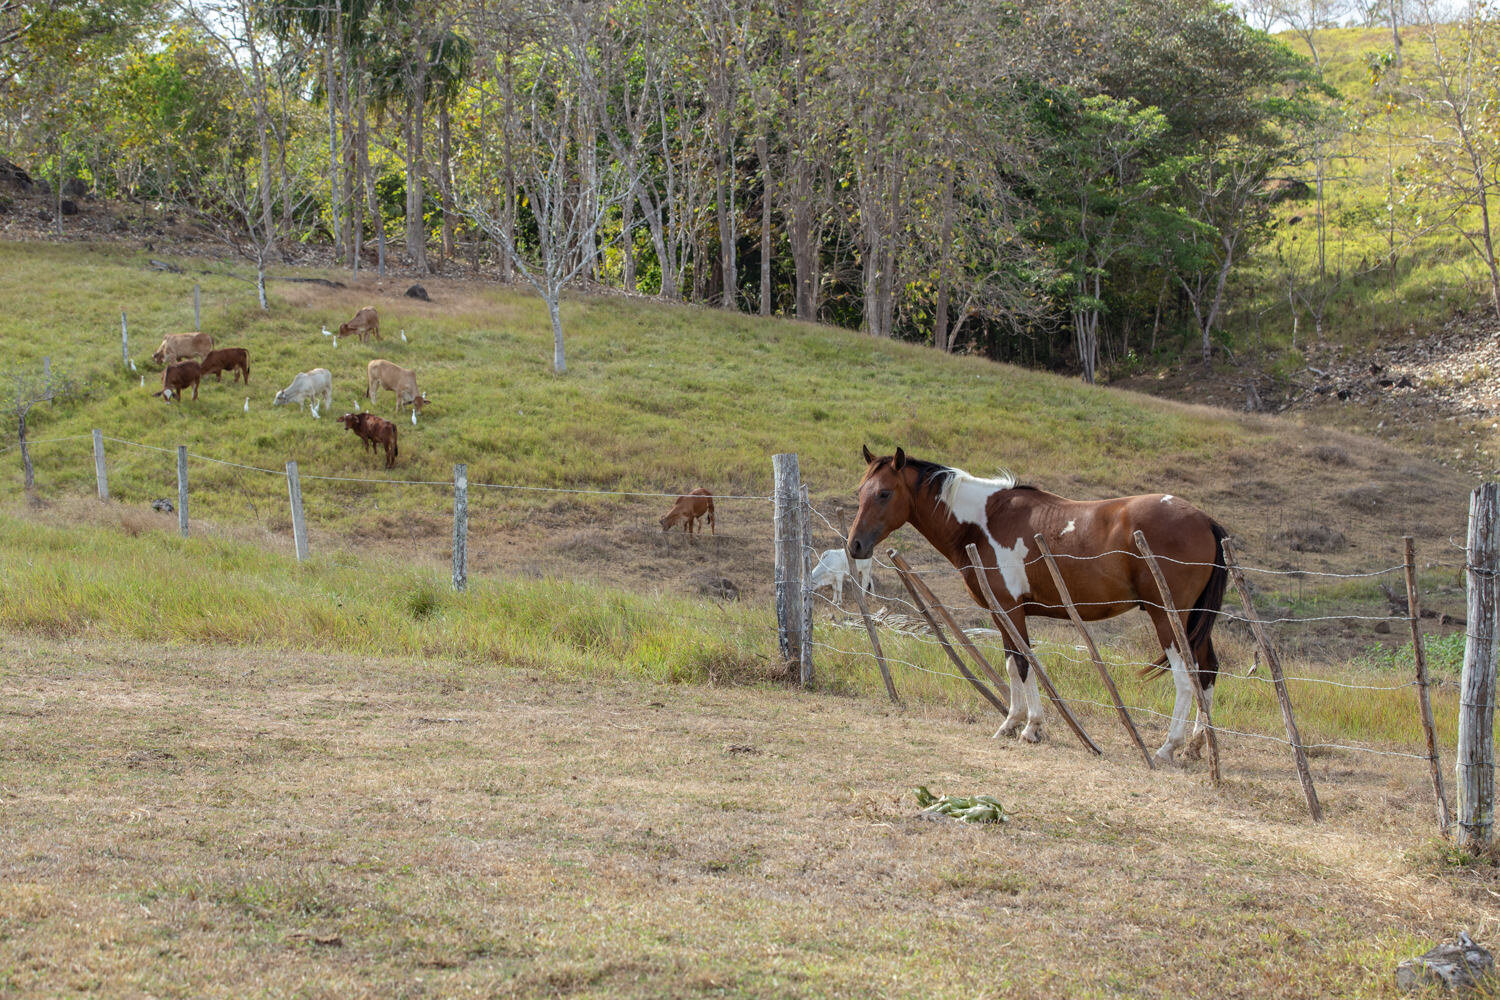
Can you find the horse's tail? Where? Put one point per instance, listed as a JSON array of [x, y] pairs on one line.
[[1202, 618]]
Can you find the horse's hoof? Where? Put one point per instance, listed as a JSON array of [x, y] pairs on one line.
[[1030, 735], [1192, 753], [1165, 759]]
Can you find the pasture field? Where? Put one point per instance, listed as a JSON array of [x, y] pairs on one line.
[[658, 398]]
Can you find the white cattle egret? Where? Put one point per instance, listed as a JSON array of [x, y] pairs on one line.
[[335, 341], [247, 404], [327, 332], [132, 364], [414, 417], [403, 336], [143, 381]]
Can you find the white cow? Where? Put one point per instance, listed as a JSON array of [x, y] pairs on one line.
[[307, 387], [833, 569]]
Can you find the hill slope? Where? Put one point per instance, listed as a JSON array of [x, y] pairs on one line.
[[658, 398]]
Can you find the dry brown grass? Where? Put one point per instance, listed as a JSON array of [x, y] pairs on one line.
[[227, 822]]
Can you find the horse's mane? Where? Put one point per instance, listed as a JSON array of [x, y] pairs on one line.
[[939, 478]]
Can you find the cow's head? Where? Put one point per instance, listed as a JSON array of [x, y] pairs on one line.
[[280, 399], [344, 329], [420, 402], [350, 420], [159, 356]]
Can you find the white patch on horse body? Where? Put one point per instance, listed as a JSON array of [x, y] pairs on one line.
[[1070, 527], [1167, 498], [967, 498]]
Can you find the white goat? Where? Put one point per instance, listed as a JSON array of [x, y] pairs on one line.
[[833, 569]]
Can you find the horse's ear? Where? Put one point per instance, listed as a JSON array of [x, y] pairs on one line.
[[868, 457], [900, 462]]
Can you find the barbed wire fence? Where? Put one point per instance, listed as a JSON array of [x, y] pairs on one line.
[[918, 626]]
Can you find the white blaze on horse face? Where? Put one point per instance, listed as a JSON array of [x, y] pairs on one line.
[[967, 499]]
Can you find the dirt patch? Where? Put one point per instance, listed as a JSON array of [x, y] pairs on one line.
[[1312, 538]]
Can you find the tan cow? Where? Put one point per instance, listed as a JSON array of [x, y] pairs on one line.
[[687, 510], [383, 374], [176, 346], [366, 323]]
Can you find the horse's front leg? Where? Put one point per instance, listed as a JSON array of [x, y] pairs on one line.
[[1017, 713], [1035, 714]]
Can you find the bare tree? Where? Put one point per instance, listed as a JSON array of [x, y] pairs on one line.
[[25, 389]]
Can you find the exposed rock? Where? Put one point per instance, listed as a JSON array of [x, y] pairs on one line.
[[1278, 189], [164, 505], [69, 207], [417, 292], [14, 175], [75, 188], [1457, 966]]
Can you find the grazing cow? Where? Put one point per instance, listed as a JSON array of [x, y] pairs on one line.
[[178, 377], [383, 374], [176, 346], [373, 431], [307, 387], [833, 569], [688, 509], [366, 323], [227, 359]]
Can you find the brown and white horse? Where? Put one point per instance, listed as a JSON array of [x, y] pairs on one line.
[[1093, 541]]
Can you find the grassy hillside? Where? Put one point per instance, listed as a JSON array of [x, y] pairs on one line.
[[657, 399]]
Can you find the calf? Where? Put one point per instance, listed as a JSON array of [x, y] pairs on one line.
[[373, 431], [366, 323], [178, 377], [833, 569], [383, 374], [176, 346], [232, 359], [688, 509], [307, 387]]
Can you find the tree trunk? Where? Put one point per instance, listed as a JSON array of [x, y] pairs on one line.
[[260, 284], [804, 245], [334, 208], [726, 219], [445, 179], [627, 244], [763, 153], [416, 227], [559, 362], [26, 457], [945, 249]]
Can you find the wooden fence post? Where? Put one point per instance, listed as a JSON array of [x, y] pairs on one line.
[[864, 613], [786, 514], [1424, 701], [805, 513], [1093, 650], [101, 479], [182, 490], [299, 525], [1024, 647], [1273, 664], [461, 527], [197, 316], [1186, 650], [1476, 700], [904, 573], [124, 341]]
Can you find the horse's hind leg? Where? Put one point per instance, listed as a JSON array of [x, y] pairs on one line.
[[1208, 660], [1177, 732], [1035, 713]]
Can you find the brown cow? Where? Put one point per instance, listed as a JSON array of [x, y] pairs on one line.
[[176, 346], [688, 509], [383, 374], [177, 378], [373, 430], [231, 359], [366, 323]]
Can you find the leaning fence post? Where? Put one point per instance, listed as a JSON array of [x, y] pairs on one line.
[[182, 513], [807, 616], [904, 572], [299, 526], [1273, 664], [197, 319], [1424, 701], [101, 479], [1188, 659], [461, 527], [124, 341], [1024, 648], [1476, 700], [787, 510], [864, 613], [1093, 650]]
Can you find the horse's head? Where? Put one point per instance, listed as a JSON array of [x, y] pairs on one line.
[[885, 498]]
